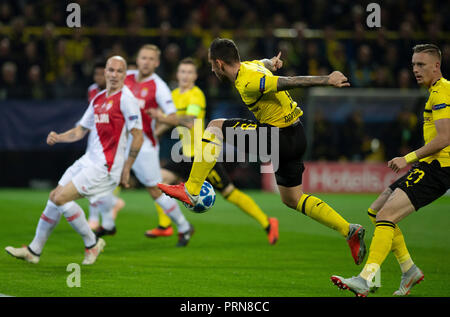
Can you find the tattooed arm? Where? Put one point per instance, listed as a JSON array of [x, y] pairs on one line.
[[136, 144], [336, 79], [69, 136]]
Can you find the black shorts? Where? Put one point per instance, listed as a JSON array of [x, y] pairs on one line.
[[218, 177], [424, 183], [284, 147]]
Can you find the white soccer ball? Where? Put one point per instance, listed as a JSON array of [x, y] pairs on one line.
[[206, 200]]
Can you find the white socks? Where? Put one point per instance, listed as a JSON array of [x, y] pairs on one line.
[[171, 209], [76, 218], [49, 219], [104, 207]]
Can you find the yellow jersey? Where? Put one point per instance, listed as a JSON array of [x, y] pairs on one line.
[[190, 103], [258, 89], [437, 107]]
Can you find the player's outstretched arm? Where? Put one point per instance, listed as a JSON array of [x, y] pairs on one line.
[[138, 139], [439, 142], [335, 79], [69, 136]]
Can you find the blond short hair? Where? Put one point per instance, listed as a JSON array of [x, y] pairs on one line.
[[150, 47], [428, 48]]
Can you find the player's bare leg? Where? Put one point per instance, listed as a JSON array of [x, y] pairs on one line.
[[120, 203], [313, 207]]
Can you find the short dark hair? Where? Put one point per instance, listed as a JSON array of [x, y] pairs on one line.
[[99, 64], [428, 48], [224, 49], [188, 60]]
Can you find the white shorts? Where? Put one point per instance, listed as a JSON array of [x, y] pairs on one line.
[[89, 180], [146, 167]]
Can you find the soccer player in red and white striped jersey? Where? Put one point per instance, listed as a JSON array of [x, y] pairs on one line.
[[111, 116], [110, 205], [152, 92]]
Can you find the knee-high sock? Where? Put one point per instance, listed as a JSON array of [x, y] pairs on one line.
[[398, 245], [320, 211], [248, 205], [379, 248], [76, 218], [163, 220], [171, 208], [104, 206], [94, 212], [48, 221], [204, 161]]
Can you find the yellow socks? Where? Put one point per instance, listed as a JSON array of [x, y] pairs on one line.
[[319, 210], [248, 205], [163, 220], [379, 248], [204, 160], [398, 245]]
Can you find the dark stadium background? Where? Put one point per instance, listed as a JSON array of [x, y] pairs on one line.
[[46, 67]]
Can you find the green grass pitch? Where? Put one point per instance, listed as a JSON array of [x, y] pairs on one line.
[[228, 256]]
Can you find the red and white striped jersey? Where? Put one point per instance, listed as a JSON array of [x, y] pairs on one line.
[[110, 118], [93, 90], [152, 92]]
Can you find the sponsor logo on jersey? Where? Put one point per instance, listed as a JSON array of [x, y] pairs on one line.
[[101, 118], [440, 106]]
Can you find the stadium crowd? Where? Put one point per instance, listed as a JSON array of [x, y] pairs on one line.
[[48, 64]]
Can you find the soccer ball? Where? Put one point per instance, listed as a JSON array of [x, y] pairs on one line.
[[206, 200]]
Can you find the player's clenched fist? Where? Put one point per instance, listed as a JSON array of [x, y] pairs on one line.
[[52, 138], [337, 79]]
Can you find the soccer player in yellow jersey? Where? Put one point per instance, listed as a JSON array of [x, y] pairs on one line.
[[278, 115], [191, 104], [426, 181]]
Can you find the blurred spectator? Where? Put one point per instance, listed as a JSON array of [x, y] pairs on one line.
[[6, 55], [17, 36], [362, 70], [267, 45], [402, 135], [88, 63], [30, 57], [76, 46], [351, 137], [445, 64], [324, 139], [313, 60], [404, 79], [36, 88], [383, 78], [9, 84], [67, 85], [338, 58], [30, 15], [244, 42], [405, 44], [48, 49], [6, 13], [170, 58]]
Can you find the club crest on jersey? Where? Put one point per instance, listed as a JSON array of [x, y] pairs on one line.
[[144, 92], [105, 106]]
